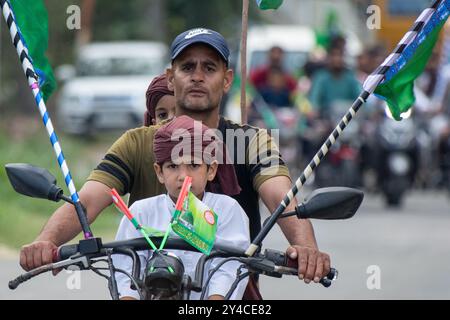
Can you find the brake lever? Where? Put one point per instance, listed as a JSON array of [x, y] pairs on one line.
[[80, 261]]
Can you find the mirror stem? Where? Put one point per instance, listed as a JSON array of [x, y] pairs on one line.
[[66, 199], [299, 212]]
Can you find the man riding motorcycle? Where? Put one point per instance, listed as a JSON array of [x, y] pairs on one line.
[[199, 76]]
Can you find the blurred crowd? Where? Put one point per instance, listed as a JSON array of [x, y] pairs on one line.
[[312, 101]]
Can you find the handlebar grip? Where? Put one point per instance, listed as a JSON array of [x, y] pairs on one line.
[[325, 281], [282, 259], [13, 284], [65, 252]]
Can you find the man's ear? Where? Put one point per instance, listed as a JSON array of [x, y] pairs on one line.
[[228, 80], [212, 170], [158, 171], [169, 76]]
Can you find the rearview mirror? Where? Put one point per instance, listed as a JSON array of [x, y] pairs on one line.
[[33, 181], [333, 203]]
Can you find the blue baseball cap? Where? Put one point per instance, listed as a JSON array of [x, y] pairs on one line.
[[200, 35]]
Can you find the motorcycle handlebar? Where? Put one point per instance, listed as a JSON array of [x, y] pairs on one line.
[[272, 262], [139, 244], [282, 264], [13, 284]]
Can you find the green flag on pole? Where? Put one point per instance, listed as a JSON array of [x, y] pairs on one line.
[[330, 29], [398, 86], [32, 20], [269, 4]]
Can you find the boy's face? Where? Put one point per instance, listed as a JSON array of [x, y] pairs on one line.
[[172, 176], [165, 109]]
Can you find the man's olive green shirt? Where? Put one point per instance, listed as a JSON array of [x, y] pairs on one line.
[[128, 165]]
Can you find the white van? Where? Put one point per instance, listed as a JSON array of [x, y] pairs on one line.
[[108, 88], [296, 41]]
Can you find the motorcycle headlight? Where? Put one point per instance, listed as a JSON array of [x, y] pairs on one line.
[[160, 282], [399, 163]]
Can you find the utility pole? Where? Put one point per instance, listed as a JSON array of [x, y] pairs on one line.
[[84, 35]]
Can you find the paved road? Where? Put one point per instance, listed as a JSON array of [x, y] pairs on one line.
[[411, 247]]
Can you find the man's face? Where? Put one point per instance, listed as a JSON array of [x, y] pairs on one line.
[[336, 59], [199, 78], [276, 56]]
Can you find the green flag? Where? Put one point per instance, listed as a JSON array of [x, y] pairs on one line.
[[196, 223], [330, 29], [32, 21], [269, 4], [398, 87]]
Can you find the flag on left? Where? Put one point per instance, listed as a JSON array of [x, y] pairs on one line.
[[32, 21]]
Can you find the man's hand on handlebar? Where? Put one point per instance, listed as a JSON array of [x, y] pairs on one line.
[[313, 265], [36, 254]]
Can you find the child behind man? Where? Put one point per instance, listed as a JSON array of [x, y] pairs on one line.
[[156, 212]]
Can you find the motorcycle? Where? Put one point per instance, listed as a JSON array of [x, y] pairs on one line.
[[157, 282], [343, 165], [397, 158], [284, 125], [288, 119], [444, 161]]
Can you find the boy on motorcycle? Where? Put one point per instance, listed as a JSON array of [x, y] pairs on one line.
[[171, 169]]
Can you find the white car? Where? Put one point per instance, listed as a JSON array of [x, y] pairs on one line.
[[107, 90]]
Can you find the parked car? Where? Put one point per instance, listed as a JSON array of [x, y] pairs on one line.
[[106, 88]]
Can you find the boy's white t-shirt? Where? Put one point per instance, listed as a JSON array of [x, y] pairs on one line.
[[156, 212]]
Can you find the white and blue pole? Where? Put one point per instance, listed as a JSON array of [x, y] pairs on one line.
[[32, 77]]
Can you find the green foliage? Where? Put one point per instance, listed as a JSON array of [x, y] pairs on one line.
[[22, 218], [115, 20]]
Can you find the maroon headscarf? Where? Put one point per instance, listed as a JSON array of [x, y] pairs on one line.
[[155, 91], [184, 132]]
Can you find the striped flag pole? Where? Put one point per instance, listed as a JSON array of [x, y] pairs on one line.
[[369, 87], [32, 77]]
